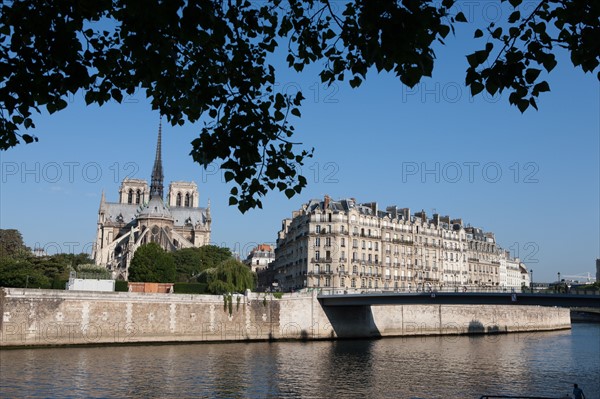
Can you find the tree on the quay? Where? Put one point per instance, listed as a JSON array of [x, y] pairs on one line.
[[11, 244], [211, 59], [189, 262], [228, 277], [22, 273], [152, 264]]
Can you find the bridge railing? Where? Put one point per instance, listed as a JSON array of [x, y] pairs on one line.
[[519, 397], [461, 290]]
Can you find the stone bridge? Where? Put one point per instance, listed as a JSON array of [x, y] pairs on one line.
[[453, 298]]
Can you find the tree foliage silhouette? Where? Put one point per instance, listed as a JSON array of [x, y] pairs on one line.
[[208, 60]]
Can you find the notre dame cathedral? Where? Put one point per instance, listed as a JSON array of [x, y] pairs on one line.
[[141, 216]]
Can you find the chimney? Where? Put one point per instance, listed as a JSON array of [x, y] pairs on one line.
[[327, 199]]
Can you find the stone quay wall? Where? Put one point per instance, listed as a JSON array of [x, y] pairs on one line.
[[32, 317]]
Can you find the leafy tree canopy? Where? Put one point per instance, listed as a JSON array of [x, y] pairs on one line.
[[34, 272], [152, 264], [20, 268], [189, 262], [11, 243], [230, 276], [208, 60]]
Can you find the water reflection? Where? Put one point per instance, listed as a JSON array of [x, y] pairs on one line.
[[542, 364]]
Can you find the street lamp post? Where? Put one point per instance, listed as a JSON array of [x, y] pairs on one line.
[[531, 280]]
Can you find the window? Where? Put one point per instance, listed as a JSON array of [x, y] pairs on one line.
[[317, 255], [188, 201], [317, 229], [343, 242], [178, 199], [328, 241], [317, 242], [353, 283], [138, 196], [130, 196]]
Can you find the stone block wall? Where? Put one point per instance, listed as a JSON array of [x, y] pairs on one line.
[[31, 317]]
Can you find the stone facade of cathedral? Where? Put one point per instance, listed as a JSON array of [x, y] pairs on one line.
[[142, 216]]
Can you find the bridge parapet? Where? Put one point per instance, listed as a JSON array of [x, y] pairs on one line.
[[452, 298]]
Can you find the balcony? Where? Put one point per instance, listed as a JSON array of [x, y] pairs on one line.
[[321, 260]]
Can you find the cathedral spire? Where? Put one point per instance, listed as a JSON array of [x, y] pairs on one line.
[[156, 184]]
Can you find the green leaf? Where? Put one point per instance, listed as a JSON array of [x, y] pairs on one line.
[[296, 112], [533, 103], [549, 62], [460, 17], [355, 82], [290, 192], [531, 74], [443, 30], [478, 33], [228, 175], [523, 105], [232, 201], [515, 16], [541, 87], [28, 138], [476, 88]]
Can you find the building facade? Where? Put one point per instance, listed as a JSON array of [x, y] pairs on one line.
[[344, 246], [260, 257], [141, 216]]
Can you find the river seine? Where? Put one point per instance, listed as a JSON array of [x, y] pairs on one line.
[[536, 364]]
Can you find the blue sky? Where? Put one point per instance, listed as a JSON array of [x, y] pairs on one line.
[[532, 179]]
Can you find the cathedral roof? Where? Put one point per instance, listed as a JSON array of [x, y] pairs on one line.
[[189, 216], [155, 209]]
